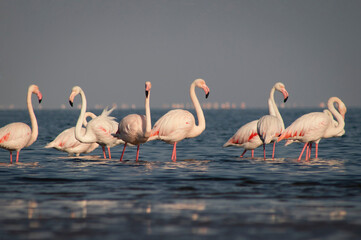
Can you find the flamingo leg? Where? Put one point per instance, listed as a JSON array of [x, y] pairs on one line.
[[11, 157], [174, 153], [245, 150], [121, 157], [110, 155], [17, 156], [252, 151], [137, 153], [310, 150], [316, 154], [307, 151], [104, 155], [299, 158], [264, 151], [273, 152]]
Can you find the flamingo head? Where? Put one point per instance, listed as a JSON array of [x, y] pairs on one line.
[[341, 107], [202, 84], [281, 88], [148, 86], [74, 91], [35, 89]]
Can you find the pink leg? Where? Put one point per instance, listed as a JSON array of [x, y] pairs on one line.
[[110, 155], [11, 157], [17, 156], [264, 151], [299, 158], [245, 150], [252, 153], [121, 157], [104, 155], [174, 153], [309, 156], [137, 153], [307, 150], [316, 154], [273, 152]]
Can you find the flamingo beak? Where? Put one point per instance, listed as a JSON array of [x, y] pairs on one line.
[[71, 103], [206, 90], [285, 95], [146, 93], [40, 96]]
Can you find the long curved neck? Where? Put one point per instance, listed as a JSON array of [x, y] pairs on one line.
[[198, 129], [148, 123], [34, 122], [272, 107], [331, 131], [78, 134]]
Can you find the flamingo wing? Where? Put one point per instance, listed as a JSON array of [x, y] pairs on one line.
[[245, 134], [14, 135], [269, 128]]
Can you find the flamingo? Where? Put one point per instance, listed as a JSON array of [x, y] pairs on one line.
[[66, 141], [269, 127], [99, 129], [15, 136], [247, 136], [179, 124], [135, 128], [312, 127]]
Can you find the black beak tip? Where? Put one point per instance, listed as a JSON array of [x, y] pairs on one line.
[[207, 95], [71, 103], [40, 100], [285, 100], [146, 93]]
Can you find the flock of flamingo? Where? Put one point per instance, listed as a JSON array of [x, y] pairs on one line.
[[174, 126]]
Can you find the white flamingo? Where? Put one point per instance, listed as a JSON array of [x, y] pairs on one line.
[[312, 127], [66, 141], [135, 128], [179, 124], [247, 136], [99, 129], [15, 136]]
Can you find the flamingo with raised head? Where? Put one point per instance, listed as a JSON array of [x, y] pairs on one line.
[[270, 127], [247, 136], [312, 127], [66, 141], [15, 136], [135, 128], [179, 124], [99, 129]]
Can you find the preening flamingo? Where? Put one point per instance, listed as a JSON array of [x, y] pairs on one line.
[[99, 129], [247, 136], [179, 124], [312, 127], [16, 136], [66, 141], [135, 128], [270, 127]]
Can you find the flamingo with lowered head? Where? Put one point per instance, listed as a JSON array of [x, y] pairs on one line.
[[99, 129], [135, 128], [247, 136], [66, 141], [312, 127], [179, 124], [270, 127], [16, 136]]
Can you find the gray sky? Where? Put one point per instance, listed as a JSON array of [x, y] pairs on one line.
[[241, 48]]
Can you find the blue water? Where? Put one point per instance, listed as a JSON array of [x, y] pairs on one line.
[[209, 193]]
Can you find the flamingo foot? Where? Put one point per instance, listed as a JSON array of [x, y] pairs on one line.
[[243, 153]]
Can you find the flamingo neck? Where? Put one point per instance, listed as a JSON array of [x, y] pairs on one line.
[[331, 131], [272, 106], [148, 126], [84, 138], [34, 122], [197, 129]]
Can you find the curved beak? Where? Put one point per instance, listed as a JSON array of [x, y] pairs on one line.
[[71, 98], [71, 103], [40, 96], [206, 90], [285, 95], [146, 93]]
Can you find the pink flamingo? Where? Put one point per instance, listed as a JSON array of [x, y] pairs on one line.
[[135, 128], [66, 141], [247, 136], [99, 129], [269, 127], [312, 127], [16, 136], [179, 124]]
